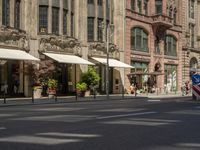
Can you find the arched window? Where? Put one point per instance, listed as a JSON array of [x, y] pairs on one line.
[[170, 46], [193, 66], [193, 63], [139, 39]]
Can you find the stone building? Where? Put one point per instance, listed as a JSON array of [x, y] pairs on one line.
[[153, 44], [191, 37], [54, 29]]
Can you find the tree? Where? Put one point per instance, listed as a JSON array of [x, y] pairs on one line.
[[42, 71], [91, 77]]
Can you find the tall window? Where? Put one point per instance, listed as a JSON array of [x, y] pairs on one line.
[[72, 18], [6, 12], [90, 1], [146, 7], [90, 29], [170, 46], [64, 21], [139, 4], [191, 8], [139, 40], [55, 20], [43, 19], [100, 2], [192, 35], [174, 16], [158, 6], [100, 31], [133, 4], [17, 14]]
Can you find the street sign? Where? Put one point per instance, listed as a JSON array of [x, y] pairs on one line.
[[195, 79]]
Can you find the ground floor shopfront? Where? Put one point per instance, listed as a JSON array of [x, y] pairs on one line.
[[156, 77]]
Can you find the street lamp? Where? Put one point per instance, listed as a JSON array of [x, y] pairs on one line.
[[109, 28]]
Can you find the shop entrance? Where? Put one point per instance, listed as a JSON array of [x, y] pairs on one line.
[[11, 78]]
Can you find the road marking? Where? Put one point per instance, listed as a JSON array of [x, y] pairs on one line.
[[154, 100], [60, 118], [69, 135], [2, 128], [121, 110], [126, 115], [37, 140], [194, 145]]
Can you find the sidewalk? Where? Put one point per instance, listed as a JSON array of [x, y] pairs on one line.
[[71, 99]]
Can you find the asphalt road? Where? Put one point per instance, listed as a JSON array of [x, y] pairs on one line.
[[172, 124]]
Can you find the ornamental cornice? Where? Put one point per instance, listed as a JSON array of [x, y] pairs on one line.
[[97, 48], [60, 44], [14, 38]]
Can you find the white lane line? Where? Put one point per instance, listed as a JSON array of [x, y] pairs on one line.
[[69, 135], [126, 115], [2, 128], [37, 140], [154, 100]]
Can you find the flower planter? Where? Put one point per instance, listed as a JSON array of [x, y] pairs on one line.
[[51, 93], [37, 92], [80, 93]]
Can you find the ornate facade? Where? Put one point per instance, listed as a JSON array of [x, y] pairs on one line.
[[153, 44], [191, 34], [70, 27]]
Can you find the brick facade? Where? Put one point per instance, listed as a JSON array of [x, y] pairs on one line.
[[152, 26]]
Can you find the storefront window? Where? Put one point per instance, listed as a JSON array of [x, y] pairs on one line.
[[170, 78], [139, 79]]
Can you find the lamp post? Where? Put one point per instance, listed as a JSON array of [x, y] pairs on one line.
[[109, 28]]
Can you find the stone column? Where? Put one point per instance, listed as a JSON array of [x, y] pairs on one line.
[[69, 18], [1, 13], [12, 13], [50, 17], [61, 18], [95, 21]]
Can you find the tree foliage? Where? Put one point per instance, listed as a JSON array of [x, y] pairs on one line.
[[91, 77]]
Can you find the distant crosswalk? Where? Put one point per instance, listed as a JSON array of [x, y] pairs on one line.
[[142, 122], [49, 138]]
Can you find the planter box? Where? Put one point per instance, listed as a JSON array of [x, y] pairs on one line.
[[80, 93], [37, 92], [51, 93]]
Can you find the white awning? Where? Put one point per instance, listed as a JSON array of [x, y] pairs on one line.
[[112, 63], [68, 59], [12, 54]]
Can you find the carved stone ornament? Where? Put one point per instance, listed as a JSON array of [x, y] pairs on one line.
[[14, 38], [99, 48], [57, 43]]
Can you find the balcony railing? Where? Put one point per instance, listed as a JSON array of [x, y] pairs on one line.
[[162, 20]]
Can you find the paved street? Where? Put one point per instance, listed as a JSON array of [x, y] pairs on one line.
[[136, 124]]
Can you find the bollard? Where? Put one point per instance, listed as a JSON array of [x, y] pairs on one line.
[[94, 93], [4, 97], [32, 95], [56, 97]]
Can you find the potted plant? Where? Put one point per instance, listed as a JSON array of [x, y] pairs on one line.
[[81, 88], [52, 85], [91, 78], [40, 72]]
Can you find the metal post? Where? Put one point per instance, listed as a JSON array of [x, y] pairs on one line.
[[4, 97], [32, 95], [75, 83], [56, 97], [107, 65]]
